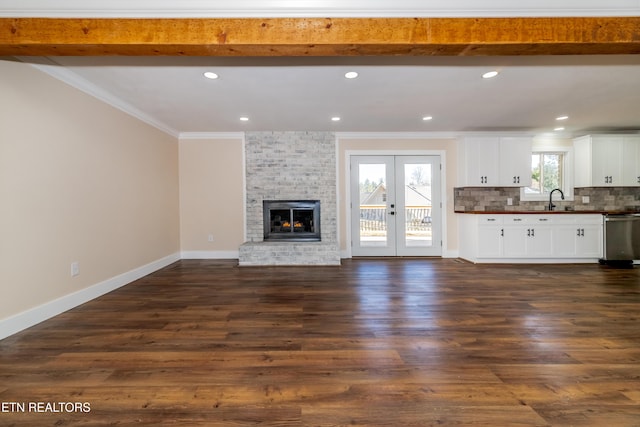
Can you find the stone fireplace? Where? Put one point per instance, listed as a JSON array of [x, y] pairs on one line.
[[283, 168]]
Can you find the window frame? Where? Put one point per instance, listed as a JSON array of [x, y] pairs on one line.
[[567, 173]]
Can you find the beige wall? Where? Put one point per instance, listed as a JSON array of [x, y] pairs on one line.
[[211, 172], [211, 197], [401, 146], [79, 181], [82, 181]]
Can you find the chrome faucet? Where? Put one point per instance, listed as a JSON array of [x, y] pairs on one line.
[[551, 205]]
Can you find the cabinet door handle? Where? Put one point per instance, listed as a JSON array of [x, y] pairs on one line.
[[502, 232], [533, 232], [518, 180], [529, 232], [543, 219], [582, 232], [578, 231], [514, 179]]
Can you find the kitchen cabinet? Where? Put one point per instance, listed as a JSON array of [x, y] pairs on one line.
[[490, 236], [479, 161], [582, 239], [515, 162], [523, 238], [607, 161], [526, 236], [494, 162], [631, 161]]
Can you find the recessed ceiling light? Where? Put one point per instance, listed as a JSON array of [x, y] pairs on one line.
[[489, 75], [562, 118], [244, 119], [559, 129], [351, 75], [211, 75], [427, 118], [335, 119]]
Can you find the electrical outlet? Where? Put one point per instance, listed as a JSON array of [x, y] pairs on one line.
[[75, 269], [509, 201], [210, 238], [585, 200]]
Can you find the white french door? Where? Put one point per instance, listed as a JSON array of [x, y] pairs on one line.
[[395, 206]]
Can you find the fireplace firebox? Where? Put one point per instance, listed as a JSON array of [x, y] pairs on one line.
[[297, 220]]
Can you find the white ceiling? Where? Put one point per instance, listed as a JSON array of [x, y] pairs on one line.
[[598, 93], [392, 94]]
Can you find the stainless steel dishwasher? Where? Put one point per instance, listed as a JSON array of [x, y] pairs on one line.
[[621, 238]]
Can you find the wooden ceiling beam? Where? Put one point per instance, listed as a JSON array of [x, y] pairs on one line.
[[319, 36]]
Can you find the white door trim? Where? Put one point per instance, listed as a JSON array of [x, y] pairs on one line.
[[347, 186]]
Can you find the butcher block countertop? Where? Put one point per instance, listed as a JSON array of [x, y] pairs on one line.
[[546, 212]]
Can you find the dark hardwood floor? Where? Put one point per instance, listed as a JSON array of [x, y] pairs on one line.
[[395, 342]]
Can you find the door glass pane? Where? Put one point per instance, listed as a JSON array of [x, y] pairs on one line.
[[417, 201], [373, 204]]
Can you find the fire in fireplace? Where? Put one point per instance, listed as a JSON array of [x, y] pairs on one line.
[[292, 220]]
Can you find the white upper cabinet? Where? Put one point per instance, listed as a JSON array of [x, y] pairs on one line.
[[607, 161], [631, 161], [494, 162], [515, 162]]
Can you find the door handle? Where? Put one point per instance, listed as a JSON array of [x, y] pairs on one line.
[[392, 213]]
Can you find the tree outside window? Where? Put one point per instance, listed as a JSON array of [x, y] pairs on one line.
[[546, 172]]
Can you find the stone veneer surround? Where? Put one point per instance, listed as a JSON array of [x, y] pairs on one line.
[[471, 199], [290, 166]]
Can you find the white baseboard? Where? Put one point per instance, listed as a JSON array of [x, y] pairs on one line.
[[450, 254], [210, 254], [31, 317]]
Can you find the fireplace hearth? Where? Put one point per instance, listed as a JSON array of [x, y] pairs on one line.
[[291, 220]]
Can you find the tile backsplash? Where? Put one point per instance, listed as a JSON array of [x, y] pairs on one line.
[[495, 199]]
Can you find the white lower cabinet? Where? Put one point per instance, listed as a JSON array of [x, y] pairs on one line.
[[579, 240], [531, 237]]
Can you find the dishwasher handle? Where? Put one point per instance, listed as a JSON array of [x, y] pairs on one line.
[[619, 218]]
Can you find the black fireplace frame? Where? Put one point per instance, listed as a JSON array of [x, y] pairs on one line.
[[291, 234]]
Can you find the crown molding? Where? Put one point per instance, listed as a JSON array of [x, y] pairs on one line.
[[210, 135], [50, 67], [316, 8], [427, 135]]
